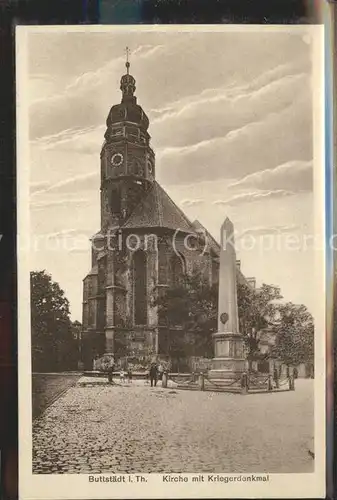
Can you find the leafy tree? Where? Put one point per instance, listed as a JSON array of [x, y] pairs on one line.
[[53, 343], [257, 309], [76, 328], [189, 311], [294, 341]]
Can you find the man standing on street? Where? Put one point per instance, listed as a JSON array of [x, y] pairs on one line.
[[153, 375]]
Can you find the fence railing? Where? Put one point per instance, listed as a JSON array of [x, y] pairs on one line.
[[245, 383]]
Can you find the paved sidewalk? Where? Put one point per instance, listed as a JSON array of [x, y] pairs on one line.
[[136, 428], [47, 387]]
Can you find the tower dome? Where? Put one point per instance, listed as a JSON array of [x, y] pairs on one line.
[[128, 110]]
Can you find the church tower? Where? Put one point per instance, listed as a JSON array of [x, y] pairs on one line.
[[143, 247], [127, 160]]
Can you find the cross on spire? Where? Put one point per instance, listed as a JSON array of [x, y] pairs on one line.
[[127, 64], [128, 86]]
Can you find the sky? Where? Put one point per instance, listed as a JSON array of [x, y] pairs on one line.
[[231, 126]]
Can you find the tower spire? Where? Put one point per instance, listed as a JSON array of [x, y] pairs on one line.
[[128, 83], [127, 64]]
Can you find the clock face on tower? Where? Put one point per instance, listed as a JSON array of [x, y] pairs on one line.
[[117, 159]]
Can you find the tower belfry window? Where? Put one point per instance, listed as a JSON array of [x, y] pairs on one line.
[[115, 200]]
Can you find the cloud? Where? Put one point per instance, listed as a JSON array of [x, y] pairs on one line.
[[75, 107], [292, 175], [241, 199], [37, 187], [67, 240], [256, 146], [65, 233], [169, 69], [231, 89], [211, 127], [81, 182], [84, 141], [81, 248], [262, 230], [41, 205], [191, 203], [94, 78], [62, 241], [250, 152], [215, 112], [238, 153]]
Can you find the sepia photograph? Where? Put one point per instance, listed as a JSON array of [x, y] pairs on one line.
[[171, 261]]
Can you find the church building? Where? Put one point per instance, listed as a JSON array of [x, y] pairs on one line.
[[144, 245]]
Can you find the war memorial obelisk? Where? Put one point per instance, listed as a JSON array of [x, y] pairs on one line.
[[229, 361]]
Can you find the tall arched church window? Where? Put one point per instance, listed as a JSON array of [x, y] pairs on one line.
[[101, 273], [91, 319], [177, 268], [140, 287]]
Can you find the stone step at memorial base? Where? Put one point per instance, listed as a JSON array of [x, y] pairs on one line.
[[188, 387], [220, 373], [223, 384]]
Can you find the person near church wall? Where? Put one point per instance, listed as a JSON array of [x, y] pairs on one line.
[[95, 363]]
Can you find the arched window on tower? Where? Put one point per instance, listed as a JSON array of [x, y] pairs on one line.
[[115, 200], [117, 132], [132, 132], [177, 267], [140, 287]]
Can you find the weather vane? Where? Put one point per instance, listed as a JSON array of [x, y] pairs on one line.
[[127, 64]]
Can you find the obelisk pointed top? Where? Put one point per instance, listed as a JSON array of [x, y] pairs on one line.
[[227, 235], [227, 224]]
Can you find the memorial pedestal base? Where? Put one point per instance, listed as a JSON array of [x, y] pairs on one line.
[[228, 363]]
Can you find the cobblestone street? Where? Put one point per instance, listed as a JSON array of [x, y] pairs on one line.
[[126, 429]]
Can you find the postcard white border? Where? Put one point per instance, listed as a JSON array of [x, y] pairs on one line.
[[71, 486]]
